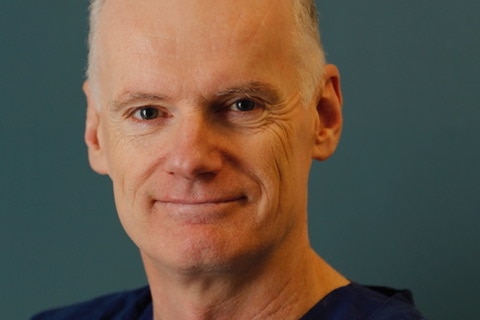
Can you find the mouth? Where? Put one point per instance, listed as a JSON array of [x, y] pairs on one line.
[[200, 201], [199, 210]]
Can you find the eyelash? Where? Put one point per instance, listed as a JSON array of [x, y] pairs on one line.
[[135, 113], [145, 109], [253, 105], [250, 105], [247, 104]]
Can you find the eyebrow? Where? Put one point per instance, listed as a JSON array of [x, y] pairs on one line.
[[132, 97], [252, 88]]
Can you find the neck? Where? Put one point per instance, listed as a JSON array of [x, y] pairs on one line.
[[283, 287]]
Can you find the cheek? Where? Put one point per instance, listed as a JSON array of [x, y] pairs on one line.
[[130, 166], [287, 159], [131, 169], [129, 156], [270, 158]]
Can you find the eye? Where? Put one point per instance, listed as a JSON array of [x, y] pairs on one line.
[[244, 105], [146, 113]]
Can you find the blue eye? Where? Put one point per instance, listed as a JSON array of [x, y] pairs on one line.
[[146, 113], [245, 105]]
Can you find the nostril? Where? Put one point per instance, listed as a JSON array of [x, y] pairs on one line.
[[195, 149], [202, 163]]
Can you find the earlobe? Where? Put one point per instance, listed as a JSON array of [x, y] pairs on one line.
[[329, 115], [93, 136]]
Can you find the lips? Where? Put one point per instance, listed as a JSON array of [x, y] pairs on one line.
[[198, 210], [200, 201]]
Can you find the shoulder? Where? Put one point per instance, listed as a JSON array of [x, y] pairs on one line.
[[122, 305], [390, 304], [355, 301]]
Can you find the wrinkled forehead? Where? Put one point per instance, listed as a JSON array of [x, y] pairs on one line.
[[180, 26]]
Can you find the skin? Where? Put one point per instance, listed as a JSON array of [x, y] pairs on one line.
[[212, 184]]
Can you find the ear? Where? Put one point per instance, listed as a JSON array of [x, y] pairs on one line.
[[329, 113], [93, 135]]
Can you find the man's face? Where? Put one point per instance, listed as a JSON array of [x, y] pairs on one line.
[[200, 125]]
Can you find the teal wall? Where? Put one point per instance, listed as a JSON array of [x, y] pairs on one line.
[[399, 203]]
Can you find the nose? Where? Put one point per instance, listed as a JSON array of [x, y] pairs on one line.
[[194, 151]]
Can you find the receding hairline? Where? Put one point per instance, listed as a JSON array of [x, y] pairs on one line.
[[310, 59]]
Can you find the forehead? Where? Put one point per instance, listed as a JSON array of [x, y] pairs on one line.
[[196, 21], [182, 12], [176, 35]]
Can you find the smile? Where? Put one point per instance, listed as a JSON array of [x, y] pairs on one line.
[[193, 202], [199, 211]]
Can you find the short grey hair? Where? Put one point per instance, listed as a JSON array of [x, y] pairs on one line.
[[311, 57], [94, 10], [308, 47], [94, 13]]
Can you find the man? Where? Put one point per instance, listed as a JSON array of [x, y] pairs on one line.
[[206, 115]]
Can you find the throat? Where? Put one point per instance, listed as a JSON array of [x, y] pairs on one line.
[[285, 291]]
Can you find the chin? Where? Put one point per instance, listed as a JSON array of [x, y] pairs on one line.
[[205, 252]]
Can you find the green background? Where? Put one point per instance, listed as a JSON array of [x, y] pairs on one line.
[[397, 205]]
